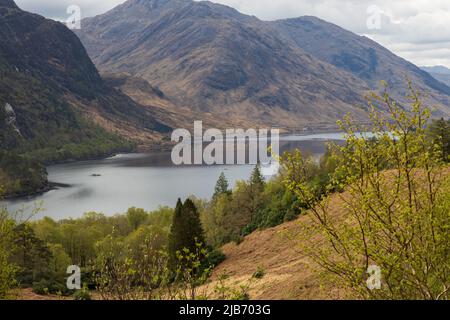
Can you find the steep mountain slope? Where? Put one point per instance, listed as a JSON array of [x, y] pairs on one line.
[[161, 106], [213, 59], [52, 100], [362, 57], [440, 73], [210, 58]]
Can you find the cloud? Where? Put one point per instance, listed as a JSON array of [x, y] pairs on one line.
[[422, 26]]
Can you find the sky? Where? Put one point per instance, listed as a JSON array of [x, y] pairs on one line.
[[417, 30]]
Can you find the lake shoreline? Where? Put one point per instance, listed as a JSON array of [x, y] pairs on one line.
[[26, 195], [114, 183]]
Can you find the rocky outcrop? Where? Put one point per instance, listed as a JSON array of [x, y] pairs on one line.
[[10, 118]]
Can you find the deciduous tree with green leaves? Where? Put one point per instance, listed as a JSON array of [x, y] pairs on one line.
[[7, 269], [396, 206]]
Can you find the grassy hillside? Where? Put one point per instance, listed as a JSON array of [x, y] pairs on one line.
[[288, 273]]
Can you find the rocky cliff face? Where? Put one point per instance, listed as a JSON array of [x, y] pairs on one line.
[[11, 119], [213, 59]]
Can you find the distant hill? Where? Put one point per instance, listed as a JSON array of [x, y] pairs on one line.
[[53, 102], [437, 69], [212, 59], [440, 73]]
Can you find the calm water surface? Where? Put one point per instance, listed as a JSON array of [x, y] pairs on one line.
[[145, 180]]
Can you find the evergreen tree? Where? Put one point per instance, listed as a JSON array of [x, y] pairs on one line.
[[254, 200], [186, 231], [176, 234], [439, 130], [256, 179], [221, 186], [31, 255], [195, 233]]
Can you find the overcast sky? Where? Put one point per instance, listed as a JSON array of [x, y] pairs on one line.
[[417, 30]]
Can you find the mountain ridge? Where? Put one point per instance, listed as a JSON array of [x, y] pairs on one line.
[[211, 58], [440, 73]]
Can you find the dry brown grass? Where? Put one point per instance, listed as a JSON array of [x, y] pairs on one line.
[[289, 273]]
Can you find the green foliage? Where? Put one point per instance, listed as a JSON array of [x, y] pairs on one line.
[[31, 255], [51, 130], [396, 206], [219, 221], [253, 204], [59, 260], [51, 286], [82, 295], [222, 186], [278, 205], [259, 273], [214, 258], [90, 143], [439, 133], [225, 291], [48, 230], [126, 274], [21, 175], [256, 178], [7, 269], [136, 217], [186, 231], [117, 260]]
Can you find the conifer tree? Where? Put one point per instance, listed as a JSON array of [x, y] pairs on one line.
[[439, 131], [176, 234], [186, 231], [221, 186], [194, 227], [256, 179]]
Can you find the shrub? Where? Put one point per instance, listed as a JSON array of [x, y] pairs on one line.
[[41, 287], [214, 258], [82, 295], [50, 286], [259, 273]]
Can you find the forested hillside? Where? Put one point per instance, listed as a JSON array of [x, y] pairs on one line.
[[52, 100], [54, 106]]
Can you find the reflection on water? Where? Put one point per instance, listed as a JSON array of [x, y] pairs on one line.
[[142, 180]]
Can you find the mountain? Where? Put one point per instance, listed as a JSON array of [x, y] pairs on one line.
[[164, 108], [437, 70], [360, 56], [440, 73], [212, 59], [53, 102]]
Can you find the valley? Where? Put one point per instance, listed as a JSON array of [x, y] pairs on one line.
[[100, 171]]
